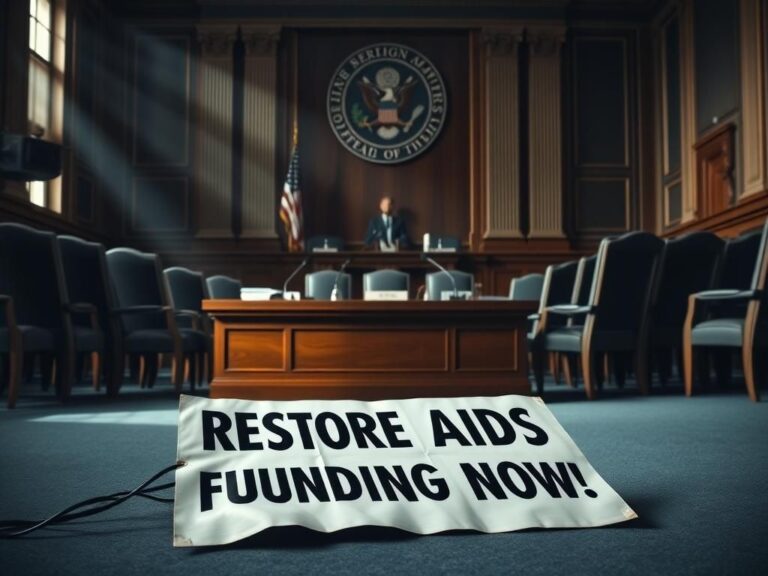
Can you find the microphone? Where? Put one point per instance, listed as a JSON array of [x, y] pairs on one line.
[[455, 295], [335, 292], [299, 268]]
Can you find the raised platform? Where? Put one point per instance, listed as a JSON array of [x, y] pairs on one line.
[[368, 350]]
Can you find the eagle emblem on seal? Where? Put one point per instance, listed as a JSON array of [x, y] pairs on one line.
[[387, 98]]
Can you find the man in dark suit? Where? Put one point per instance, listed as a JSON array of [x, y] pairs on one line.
[[386, 230]]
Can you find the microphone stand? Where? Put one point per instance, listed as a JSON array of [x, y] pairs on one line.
[[335, 291], [298, 269], [455, 295]]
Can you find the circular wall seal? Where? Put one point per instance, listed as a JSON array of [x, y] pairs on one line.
[[386, 103]]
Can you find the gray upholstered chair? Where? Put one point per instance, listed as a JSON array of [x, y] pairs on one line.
[[148, 320], [324, 241], [557, 288], [36, 317], [687, 265], [712, 322], [87, 278], [526, 287], [616, 313], [386, 280], [437, 283], [188, 289], [582, 285], [319, 285], [223, 287], [737, 265]]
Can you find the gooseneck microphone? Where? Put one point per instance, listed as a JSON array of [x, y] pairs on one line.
[[455, 295], [298, 269], [335, 292]]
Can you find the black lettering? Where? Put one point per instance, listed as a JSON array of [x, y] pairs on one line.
[[233, 488], [398, 480], [370, 485], [443, 429], [282, 482], [268, 422], [391, 430], [244, 431], [485, 478], [321, 424], [316, 485], [363, 426], [301, 419], [477, 438], [215, 426], [439, 487], [540, 438], [352, 491], [549, 479], [528, 490], [487, 419], [207, 489]]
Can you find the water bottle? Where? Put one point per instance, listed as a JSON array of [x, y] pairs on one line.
[[426, 242]]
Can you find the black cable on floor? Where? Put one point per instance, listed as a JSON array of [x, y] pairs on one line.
[[96, 505]]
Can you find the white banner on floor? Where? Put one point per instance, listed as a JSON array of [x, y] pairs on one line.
[[492, 464]]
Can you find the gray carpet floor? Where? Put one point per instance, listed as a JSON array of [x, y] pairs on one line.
[[695, 470]]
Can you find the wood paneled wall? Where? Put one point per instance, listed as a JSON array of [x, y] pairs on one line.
[[341, 190], [604, 194], [179, 132]]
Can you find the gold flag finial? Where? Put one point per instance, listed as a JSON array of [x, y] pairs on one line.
[[295, 133]]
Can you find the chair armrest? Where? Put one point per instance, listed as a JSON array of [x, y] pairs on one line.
[[534, 317], [192, 313], [569, 309], [80, 308], [196, 318], [84, 308], [144, 309], [719, 295]]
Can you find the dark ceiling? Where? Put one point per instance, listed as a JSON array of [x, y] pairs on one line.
[[417, 9]]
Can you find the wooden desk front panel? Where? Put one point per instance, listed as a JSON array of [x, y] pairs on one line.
[[368, 350]]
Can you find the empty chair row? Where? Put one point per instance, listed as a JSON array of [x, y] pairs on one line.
[[64, 298], [319, 285], [631, 302]]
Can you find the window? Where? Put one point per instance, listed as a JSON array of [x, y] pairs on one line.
[[45, 103]]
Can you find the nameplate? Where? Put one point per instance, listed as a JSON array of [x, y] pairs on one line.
[[257, 294], [324, 249], [261, 294], [425, 465], [462, 294], [386, 295], [441, 250]]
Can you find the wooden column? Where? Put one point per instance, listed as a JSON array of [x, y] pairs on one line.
[[502, 154], [259, 131], [214, 131], [688, 112], [545, 133], [753, 98]]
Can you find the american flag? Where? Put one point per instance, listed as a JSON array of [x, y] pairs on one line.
[[290, 204]]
